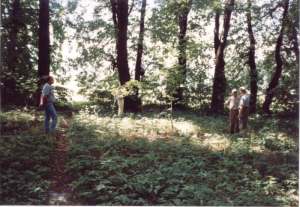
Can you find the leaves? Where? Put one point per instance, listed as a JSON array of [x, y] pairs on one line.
[[175, 171]]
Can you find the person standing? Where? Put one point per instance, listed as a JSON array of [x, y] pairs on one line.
[[47, 101], [233, 106], [244, 108]]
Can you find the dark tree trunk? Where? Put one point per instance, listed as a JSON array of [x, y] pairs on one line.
[[8, 92], [251, 62], [182, 23], [219, 82], [279, 63], [216, 32], [43, 46], [139, 71], [138, 66], [120, 19], [122, 55], [295, 41], [44, 40]]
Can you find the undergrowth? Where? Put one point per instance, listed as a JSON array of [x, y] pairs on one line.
[[146, 160], [24, 160]]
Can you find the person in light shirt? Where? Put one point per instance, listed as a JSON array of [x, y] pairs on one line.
[[47, 101], [244, 108], [233, 106]]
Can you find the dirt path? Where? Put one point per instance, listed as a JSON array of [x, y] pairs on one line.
[[60, 192]]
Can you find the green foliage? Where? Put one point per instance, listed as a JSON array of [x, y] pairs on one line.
[[19, 49], [24, 160], [114, 166]]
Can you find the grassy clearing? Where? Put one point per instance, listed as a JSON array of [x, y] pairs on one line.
[[146, 160], [24, 159]]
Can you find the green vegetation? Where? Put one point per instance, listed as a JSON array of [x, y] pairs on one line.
[[24, 159], [143, 160]]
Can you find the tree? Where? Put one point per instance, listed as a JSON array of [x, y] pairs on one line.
[[251, 61], [279, 61], [139, 71], [12, 51], [219, 81], [44, 39], [120, 14], [182, 18], [18, 44]]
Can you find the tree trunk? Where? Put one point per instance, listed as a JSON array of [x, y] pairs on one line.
[[182, 23], [43, 46], [120, 19], [295, 41], [216, 32], [279, 63], [44, 40], [251, 62], [219, 82], [138, 65], [139, 71]]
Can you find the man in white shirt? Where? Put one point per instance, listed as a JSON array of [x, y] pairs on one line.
[[244, 108], [233, 106], [47, 100]]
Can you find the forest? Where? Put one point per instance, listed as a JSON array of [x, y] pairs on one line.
[[128, 102]]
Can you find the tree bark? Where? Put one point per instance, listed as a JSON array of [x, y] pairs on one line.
[[43, 46], [251, 62], [295, 41], [138, 66], [219, 81], [122, 54], [216, 32], [120, 18], [182, 42], [44, 39], [279, 63]]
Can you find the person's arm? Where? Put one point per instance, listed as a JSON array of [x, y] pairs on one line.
[[227, 102], [44, 95], [241, 106]]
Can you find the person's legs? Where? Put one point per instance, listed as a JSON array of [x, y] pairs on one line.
[[246, 118], [47, 119], [231, 121], [53, 116], [236, 121]]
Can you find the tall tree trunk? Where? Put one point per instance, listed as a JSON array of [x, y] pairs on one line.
[[279, 62], [219, 82], [44, 39], [216, 32], [122, 55], [120, 18], [43, 46], [182, 23], [9, 89], [295, 41], [138, 65], [251, 62], [139, 71]]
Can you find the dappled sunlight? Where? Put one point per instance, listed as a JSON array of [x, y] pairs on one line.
[[200, 131], [151, 128], [216, 142]]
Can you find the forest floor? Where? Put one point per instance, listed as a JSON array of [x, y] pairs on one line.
[[147, 159]]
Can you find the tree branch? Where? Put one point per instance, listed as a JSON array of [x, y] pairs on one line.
[[131, 7]]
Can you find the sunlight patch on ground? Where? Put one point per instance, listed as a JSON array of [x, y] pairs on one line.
[[216, 142], [145, 127]]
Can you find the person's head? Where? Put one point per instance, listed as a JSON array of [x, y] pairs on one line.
[[49, 79], [243, 90], [234, 92]]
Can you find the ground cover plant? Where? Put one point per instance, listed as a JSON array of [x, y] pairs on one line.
[[24, 159], [149, 160]]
